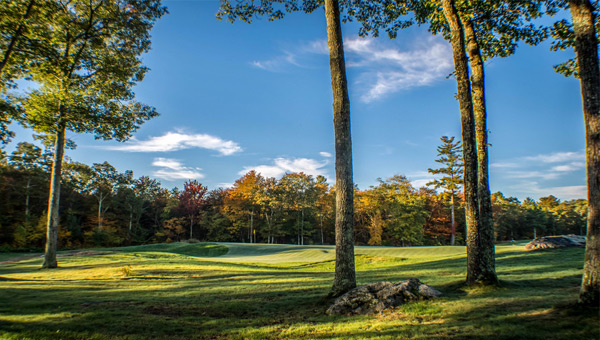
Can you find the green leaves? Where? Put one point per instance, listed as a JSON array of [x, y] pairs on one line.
[[90, 66], [450, 155]]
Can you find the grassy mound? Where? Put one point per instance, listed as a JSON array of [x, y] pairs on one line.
[[191, 249], [167, 291]]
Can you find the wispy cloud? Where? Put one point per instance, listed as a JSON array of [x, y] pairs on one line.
[[558, 157], [280, 166], [506, 165], [538, 176], [325, 154], [420, 178], [173, 141], [173, 169], [547, 175], [535, 189], [544, 166], [278, 63], [390, 70], [384, 67]]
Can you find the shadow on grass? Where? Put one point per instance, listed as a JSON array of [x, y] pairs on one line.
[[232, 300]]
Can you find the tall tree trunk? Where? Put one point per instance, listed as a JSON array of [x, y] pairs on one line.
[[130, 222], [586, 47], [27, 199], [453, 222], [322, 236], [53, 200], [345, 276], [100, 199], [486, 226], [191, 227], [252, 225], [16, 36], [457, 39], [302, 228]]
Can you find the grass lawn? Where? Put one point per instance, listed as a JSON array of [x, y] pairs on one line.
[[244, 291]]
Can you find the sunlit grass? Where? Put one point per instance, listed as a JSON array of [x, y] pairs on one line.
[[182, 291]]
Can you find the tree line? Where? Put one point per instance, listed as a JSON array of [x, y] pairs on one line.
[[103, 207]]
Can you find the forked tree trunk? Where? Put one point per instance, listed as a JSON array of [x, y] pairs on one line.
[[345, 277], [53, 200], [486, 226], [457, 39], [586, 47]]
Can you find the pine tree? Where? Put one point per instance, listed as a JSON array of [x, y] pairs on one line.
[[450, 155]]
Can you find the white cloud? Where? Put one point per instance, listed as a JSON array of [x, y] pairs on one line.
[[225, 185], [173, 169], [420, 179], [528, 189], [558, 157], [382, 70], [418, 183], [282, 165], [504, 165], [173, 141], [390, 70], [325, 154], [278, 63], [534, 174], [569, 167]]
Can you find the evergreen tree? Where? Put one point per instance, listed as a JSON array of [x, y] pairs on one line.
[[450, 155]]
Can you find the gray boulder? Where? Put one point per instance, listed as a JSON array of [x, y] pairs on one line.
[[379, 296], [550, 242]]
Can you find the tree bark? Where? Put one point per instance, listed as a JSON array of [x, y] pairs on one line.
[[586, 48], [53, 200], [27, 199], [345, 277], [100, 199], [457, 39], [486, 226], [453, 222]]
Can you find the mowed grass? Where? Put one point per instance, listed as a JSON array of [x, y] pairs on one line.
[[196, 291]]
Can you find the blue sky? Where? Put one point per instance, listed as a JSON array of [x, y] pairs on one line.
[[236, 97]]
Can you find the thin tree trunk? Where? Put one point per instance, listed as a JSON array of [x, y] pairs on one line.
[[130, 221], [191, 227], [486, 226], [298, 228], [474, 255], [586, 47], [345, 276], [54, 199], [100, 199], [16, 36], [27, 199], [252, 225], [302, 228], [453, 221], [322, 236]]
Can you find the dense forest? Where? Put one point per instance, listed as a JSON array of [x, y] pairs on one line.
[[101, 206]]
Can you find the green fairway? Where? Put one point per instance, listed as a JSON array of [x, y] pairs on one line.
[[261, 291]]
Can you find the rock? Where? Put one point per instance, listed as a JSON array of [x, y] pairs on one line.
[[379, 296], [563, 241]]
